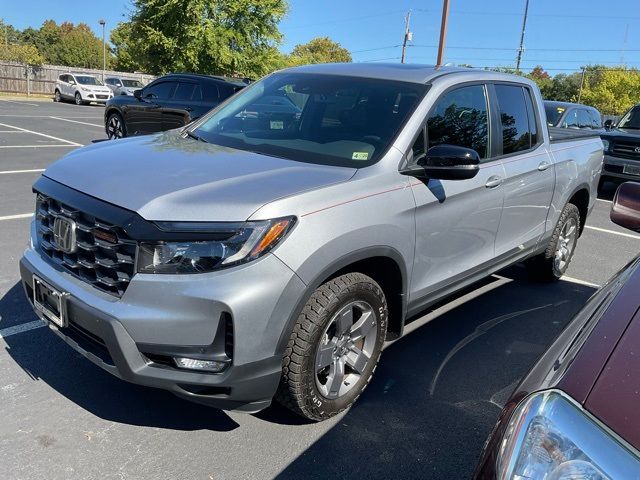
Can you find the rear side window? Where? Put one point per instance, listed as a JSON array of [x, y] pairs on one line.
[[184, 91], [210, 92], [160, 90], [460, 118], [531, 113], [514, 118]]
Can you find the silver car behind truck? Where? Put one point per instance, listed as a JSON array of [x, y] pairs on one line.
[[266, 252]]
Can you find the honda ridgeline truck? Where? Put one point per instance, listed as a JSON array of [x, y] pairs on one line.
[[270, 248]]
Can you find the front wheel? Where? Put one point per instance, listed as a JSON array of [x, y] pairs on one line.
[[115, 126], [334, 348], [553, 263], [78, 98]]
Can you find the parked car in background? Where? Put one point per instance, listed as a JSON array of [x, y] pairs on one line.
[[572, 115], [81, 88], [622, 147], [270, 248], [168, 102], [575, 414], [123, 86]]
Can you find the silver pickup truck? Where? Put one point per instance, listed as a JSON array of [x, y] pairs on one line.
[[270, 248]]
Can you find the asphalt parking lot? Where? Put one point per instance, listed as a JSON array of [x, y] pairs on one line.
[[432, 403]]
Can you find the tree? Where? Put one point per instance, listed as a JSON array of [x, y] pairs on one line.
[[8, 34], [319, 50], [21, 53], [201, 36], [611, 90]]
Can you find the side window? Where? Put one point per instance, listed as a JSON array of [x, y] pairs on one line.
[[62, 78], [571, 120], [160, 90], [460, 118], [596, 121], [514, 118], [584, 119], [210, 92], [110, 81], [197, 94], [184, 91]]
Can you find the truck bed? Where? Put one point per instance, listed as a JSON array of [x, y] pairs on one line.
[[557, 134]]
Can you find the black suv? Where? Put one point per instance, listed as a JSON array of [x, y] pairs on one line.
[[168, 102], [622, 147]]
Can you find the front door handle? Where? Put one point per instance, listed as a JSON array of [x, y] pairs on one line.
[[493, 181], [544, 165]]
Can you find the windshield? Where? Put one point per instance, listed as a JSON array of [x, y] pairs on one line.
[[631, 119], [553, 114], [327, 119], [88, 80], [132, 83]]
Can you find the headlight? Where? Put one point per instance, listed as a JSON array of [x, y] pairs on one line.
[[605, 144], [551, 438], [233, 244]]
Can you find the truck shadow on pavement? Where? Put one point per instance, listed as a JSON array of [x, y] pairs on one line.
[[43, 356], [438, 391]]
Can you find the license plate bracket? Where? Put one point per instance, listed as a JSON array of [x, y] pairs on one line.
[[50, 302], [631, 170]]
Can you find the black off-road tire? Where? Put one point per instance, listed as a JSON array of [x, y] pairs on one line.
[[541, 268], [298, 390]]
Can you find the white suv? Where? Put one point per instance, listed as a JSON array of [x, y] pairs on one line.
[[81, 88]]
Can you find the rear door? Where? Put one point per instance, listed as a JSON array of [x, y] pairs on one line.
[[457, 220], [530, 176]]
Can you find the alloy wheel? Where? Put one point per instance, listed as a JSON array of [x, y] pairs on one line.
[[114, 127], [565, 246], [345, 349]]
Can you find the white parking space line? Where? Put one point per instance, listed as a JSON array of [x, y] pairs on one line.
[[11, 131], [75, 144], [23, 327], [35, 146], [613, 232], [14, 217], [7, 172], [47, 116], [579, 282], [20, 103], [76, 121]]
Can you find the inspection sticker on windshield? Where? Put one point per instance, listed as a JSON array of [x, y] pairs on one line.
[[276, 124], [360, 156]]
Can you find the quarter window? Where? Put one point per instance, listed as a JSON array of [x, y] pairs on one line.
[[514, 118], [460, 118]]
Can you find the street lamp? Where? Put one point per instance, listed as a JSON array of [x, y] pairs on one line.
[[104, 50]]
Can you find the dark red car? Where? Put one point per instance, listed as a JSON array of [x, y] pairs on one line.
[[576, 415]]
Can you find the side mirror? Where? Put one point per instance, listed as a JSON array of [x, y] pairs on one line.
[[608, 125], [72, 82], [625, 210], [450, 162], [137, 94]]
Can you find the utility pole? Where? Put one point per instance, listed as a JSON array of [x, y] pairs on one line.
[[104, 50], [524, 25], [408, 35], [443, 32], [581, 84]]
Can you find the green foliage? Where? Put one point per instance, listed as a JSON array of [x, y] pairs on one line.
[[201, 36], [612, 91], [8, 34], [319, 50], [21, 53]]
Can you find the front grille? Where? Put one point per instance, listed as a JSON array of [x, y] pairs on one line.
[[102, 97], [107, 263], [626, 149]]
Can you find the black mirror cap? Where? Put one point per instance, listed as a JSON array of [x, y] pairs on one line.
[[450, 162], [137, 93], [625, 210], [608, 125]]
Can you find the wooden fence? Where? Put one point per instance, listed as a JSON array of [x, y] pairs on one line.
[[23, 79]]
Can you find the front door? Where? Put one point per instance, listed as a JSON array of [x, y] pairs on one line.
[[456, 220], [145, 115]]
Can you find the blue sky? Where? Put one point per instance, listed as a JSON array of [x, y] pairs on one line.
[[560, 35]]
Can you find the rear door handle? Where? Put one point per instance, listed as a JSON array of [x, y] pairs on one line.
[[544, 165], [493, 181]]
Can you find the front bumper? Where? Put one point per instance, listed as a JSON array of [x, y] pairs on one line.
[[95, 96], [167, 313], [613, 168]]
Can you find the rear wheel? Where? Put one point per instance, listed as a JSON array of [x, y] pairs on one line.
[[56, 96], [334, 348], [553, 263], [115, 126]]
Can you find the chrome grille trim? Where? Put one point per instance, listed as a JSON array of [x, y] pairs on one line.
[[107, 266], [626, 149]]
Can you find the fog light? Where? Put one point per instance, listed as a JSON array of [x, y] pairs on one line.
[[204, 365]]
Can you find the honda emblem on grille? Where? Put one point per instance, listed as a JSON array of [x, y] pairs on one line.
[[64, 234], [637, 149]]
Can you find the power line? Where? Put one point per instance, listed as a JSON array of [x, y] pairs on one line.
[[535, 49]]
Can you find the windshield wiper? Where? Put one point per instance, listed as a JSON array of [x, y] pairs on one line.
[[195, 137]]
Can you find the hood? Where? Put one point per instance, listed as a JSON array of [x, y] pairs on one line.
[[167, 177], [622, 134]]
